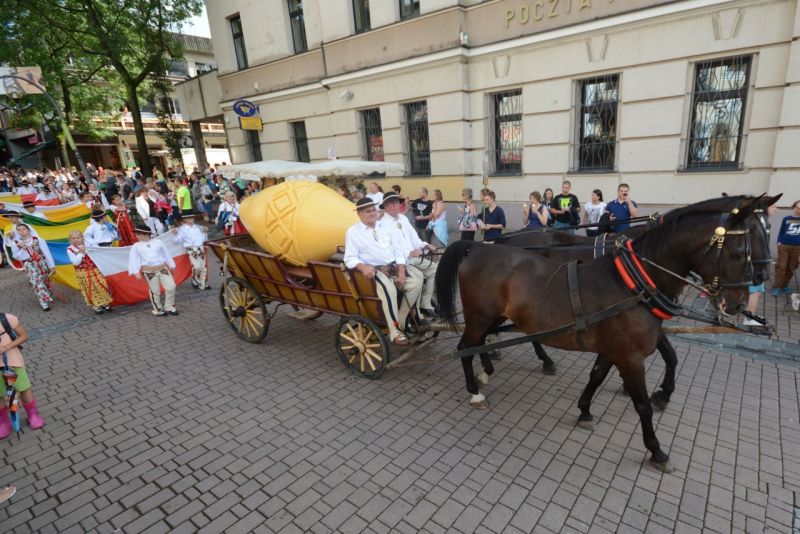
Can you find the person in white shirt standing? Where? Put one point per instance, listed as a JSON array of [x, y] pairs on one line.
[[193, 239], [146, 208], [378, 254], [149, 259], [26, 188], [417, 265], [100, 232]]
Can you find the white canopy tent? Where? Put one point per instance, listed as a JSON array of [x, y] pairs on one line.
[[308, 171]]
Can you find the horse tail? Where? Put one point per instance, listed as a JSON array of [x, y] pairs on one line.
[[446, 276]]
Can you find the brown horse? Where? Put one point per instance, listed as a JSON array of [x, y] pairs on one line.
[[536, 294]]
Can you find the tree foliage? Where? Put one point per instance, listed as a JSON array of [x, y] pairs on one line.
[[121, 43]]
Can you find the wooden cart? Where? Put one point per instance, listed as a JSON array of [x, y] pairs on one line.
[[256, 279]]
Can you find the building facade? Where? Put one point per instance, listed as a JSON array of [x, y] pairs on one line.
[[681, 99]]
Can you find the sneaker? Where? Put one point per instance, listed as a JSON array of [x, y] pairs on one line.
[[160, 313], [751, 322], [98, 310], [796, 301], [173, 312], [45, 308], [195, 284], [107, 308]]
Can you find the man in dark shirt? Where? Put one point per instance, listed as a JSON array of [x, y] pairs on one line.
[[422, 208], [622, 208], [493, 217], [565, 207]]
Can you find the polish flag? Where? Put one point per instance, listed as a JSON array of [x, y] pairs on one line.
[[126, 289]]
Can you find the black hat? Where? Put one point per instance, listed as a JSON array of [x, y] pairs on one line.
[[98, 213], [392, 196], [46, 188], [142, 229], [365, 203], [29, 204]]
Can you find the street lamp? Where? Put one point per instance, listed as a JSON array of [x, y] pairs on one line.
[[56, 112]]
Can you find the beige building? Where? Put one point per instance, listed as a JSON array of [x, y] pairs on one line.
[[680, 99]]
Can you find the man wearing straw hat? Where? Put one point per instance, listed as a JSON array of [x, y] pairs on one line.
[[378, 254]]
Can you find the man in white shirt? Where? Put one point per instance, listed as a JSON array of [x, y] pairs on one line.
[[193, 239], [378, 254], [30, 209], [146, 209], [417, 265], [46, 194], [374, 193], [149, 259], [100, 232], [26, 188]]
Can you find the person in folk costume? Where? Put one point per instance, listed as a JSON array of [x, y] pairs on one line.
[[149, 259], [122, 219], [91, 282], [228, 215], [30, 209], [146, 208], [35, 256], [192, 237], [97, 196], [15, 378], [100, 232]]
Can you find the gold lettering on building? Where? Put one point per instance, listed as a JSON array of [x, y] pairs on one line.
[[524, 15], [585, 4], [538, 12], [509, 16], [553, 8]]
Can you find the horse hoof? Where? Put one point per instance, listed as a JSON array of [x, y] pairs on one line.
[[549, 369], [664, 467], [658, 402], [586, 425], [480, 405]]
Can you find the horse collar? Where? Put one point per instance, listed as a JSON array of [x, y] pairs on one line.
[[637, 280]]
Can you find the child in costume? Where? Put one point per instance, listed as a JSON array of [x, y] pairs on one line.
[[37, 261], [91, 282], [149, 259], [122, 219], [192, 237], [16, 380]]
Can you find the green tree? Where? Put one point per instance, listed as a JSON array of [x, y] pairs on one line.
[[132, 37]]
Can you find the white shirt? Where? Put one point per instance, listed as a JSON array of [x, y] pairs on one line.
[[190, 236], [142, 207], [97, 233], [20, 253], [46, 196], [26, 190], [375, 197], [378, 246], [148, 254], [404, 232], [594, 211], [233, 208], [75, 255]]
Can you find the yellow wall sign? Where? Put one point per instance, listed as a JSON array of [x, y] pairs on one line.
[[250, 123]]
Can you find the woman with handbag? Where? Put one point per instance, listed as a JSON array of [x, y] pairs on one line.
[[228, 216], [468, 216]]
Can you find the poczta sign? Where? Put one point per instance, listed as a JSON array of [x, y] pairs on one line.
[[538, 10]]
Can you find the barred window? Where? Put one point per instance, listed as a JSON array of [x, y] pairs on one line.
[[300, 141], [298, 26], [419, 150], [373, 134], [409, 9], [597, 138], [361, 15], [506, 138], [238, 42], [718, 102], [254, 142]]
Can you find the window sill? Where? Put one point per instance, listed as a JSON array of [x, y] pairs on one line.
[[714, 169], [515, 174], [592, 171]]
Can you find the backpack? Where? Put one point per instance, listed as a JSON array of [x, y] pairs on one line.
[[7, 328]]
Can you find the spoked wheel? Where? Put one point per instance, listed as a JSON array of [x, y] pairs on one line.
[[361, 346], [244, 309]]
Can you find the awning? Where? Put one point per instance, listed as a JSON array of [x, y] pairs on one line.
[[284, 169]]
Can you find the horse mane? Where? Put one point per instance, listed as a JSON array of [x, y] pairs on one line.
[[656, 238]]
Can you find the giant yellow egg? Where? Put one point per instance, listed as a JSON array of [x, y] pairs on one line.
[[298, 221]]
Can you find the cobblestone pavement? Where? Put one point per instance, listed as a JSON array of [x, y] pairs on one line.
[[175, 425]]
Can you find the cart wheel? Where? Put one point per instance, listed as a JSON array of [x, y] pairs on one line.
[[361, 346], [244, 309]]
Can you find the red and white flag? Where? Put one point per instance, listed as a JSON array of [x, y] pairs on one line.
[[126, 289]]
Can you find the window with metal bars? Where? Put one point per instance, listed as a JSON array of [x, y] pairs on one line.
[[373, 134], [238, 42], [419, 150], [361, 15], [254, 142], [298, 26], [300, 140], [506, 135], [718, 104], [409, 9], [597, 127]]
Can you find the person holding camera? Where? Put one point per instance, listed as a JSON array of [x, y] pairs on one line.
[[622, 208]]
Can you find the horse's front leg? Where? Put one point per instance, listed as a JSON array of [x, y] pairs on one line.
[[548, 365], [598, 374], [660, 398], [633, 377], [487, 371]]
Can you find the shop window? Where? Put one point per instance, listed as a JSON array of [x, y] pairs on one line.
[[238, 42], [409, 9], [506, 136], [717, 121], [597, 128], [298, 26], [373, 134], [361, 15], [417, 139], [254, 142], [300, 141]]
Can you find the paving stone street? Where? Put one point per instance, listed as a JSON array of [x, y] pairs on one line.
[[176, 425]]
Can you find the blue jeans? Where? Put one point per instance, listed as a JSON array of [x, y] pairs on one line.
[[563, 227]]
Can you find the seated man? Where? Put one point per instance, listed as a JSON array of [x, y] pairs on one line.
[[393, 221], [378, 254]]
